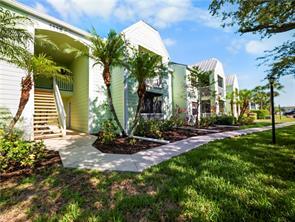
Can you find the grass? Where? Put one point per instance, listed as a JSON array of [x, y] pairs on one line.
[[267, 122], [239, 179]]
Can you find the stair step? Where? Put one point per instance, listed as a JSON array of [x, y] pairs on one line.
[[41, 126], [45, 114], [44, 104], [47, 136], [45, 100], [45, 107], [43, 131], [47, 117], [45, 111], [44, 121]]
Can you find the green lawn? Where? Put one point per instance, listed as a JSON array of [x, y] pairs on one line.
[[267, 122], [239, 179]]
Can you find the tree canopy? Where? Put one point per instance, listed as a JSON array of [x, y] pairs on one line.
[[267, 18]]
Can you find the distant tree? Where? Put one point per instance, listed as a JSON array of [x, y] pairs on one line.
[[143, 66], [266, 17], [200, 81]]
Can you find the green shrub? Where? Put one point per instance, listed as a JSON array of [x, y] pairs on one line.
[[246, 120], [261, 113], [169, 124], [108, 132], [207, 121], [19, 153], [149, 128], [225, 120]]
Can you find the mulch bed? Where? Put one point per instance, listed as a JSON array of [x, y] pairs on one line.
[[122, 145], [180, 134], [51, 158]]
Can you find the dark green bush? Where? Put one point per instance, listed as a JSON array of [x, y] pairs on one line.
[[149, 128], [225, 120], [261, 113], [169, 124], [108, 132], [17, 153]]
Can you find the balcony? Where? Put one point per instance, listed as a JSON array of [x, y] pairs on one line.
[[46, 83], [155, 83], [220, 91], [205, 91]]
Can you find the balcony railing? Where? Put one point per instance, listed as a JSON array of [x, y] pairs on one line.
[[220, 91], [205, 91], [155, 83], [64, 85]]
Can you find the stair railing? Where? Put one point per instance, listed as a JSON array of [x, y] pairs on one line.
[[60, 108]]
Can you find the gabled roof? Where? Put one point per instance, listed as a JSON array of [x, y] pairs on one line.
[[32, 12], [229, 80], [207, 65], [146, 36]]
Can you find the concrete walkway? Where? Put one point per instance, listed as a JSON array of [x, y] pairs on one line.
[[76, 151]]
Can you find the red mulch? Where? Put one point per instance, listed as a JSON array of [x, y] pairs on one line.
[[122, 145], [51, 158], [180, 134]]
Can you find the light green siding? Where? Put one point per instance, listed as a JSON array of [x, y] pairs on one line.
[[79, 100], [117, 88], [179, 86]]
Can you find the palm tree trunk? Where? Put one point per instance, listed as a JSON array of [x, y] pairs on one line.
[[107, 81], [197, 114], [232, 107], [140, 92], [26, 84]]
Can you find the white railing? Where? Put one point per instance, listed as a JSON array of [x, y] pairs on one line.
[[60, 108], [220, 91], [154, 83]]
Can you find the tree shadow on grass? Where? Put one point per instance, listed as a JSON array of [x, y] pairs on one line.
[[229, 180]]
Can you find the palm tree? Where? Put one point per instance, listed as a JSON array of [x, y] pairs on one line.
[[200, 81], [14, 41], [244, 99], [142, 66], [109, 52], [34, 65]]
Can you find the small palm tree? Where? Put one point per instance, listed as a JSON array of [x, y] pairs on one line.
[[142, 66], [109, 52], [34, 65], [245, 97]]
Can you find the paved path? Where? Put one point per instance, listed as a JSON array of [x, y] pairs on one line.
[[76, 151]]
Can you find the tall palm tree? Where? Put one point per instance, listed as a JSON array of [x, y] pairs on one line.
[[142, 66], [34, 65], [14, 39], [109, 52]]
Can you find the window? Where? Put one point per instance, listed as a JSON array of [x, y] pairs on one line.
[[152, 103], [220, 81], [205, 106]]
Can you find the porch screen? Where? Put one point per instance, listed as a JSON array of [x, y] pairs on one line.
[[152, 103]]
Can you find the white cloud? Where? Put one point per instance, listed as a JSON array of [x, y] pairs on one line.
[[77, 8], [257, 47], [160, 13], [39, 7], [236, 45], [169, 42]]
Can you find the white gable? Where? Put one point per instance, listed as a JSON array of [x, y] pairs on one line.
[[144, 35]]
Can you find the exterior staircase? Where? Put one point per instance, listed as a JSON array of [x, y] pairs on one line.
[[46, 122]]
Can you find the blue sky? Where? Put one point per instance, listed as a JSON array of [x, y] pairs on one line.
[[188, 30]]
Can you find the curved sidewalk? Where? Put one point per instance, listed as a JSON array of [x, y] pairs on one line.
[[77, 151]]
